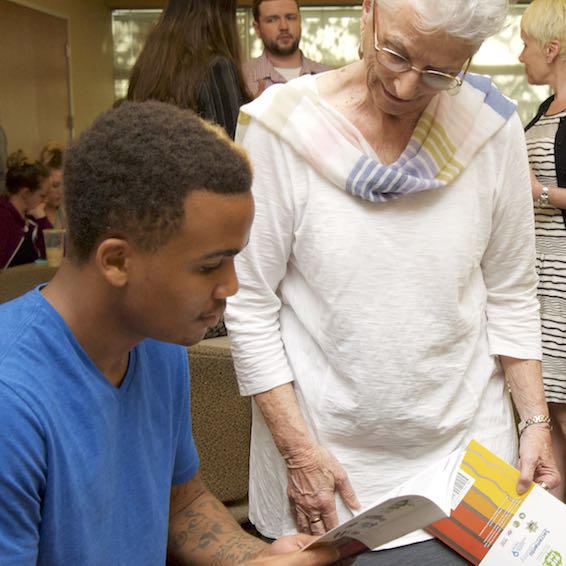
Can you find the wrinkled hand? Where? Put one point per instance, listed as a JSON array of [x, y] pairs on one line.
[[314, 477], [536, 461], [285, 551]]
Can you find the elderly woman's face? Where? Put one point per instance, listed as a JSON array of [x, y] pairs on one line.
[[399, 93], [533, 58]]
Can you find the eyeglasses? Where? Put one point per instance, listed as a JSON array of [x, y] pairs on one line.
[[400, 64]]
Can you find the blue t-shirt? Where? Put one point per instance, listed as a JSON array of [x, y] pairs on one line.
[[86, 468]]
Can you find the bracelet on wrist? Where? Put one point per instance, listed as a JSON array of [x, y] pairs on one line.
[[544, 197], [535, 419]]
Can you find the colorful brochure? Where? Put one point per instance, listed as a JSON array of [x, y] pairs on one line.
[[470, 502], [492, 525]]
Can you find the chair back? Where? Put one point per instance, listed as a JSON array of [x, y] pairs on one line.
[[221, 420], [16, 281]]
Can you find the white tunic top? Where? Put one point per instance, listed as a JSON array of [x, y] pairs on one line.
[[387, 317]]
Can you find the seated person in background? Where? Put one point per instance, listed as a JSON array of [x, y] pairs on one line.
[[278, 24], [99, 465], [52, 157], [21, 236]]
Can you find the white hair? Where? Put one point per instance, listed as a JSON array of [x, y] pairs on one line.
[[473, 21]]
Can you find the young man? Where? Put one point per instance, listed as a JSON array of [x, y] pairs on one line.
[[278, 24], [98, 464]]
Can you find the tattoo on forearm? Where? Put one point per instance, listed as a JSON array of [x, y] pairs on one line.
[[203, 531]]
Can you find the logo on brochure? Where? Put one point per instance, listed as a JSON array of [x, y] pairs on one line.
[[553, 558], [518, 547], [532, 526]]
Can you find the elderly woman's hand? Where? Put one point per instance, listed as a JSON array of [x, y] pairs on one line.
[[314, 477], [536, 459]]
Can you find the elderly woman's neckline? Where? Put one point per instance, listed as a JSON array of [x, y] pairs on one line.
[[346, 93]]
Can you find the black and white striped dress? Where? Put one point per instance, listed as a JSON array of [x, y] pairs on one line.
[[551, 260]]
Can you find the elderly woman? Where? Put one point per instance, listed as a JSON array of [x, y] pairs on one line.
[[388, 292], [543, 30]]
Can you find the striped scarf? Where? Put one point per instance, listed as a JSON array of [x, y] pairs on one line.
[[450, 131]]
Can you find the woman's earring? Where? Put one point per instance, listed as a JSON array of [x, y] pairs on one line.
[[361, 51]]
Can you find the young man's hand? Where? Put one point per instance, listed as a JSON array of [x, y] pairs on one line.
[[286, 551]]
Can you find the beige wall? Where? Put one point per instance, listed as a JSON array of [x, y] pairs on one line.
[[90, 38], [34, 90]]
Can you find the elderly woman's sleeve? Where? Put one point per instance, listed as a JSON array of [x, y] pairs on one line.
[[252, 315], [508, 264]]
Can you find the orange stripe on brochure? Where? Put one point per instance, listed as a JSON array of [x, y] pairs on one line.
[[480, 502], [471, 518], [458, 539]]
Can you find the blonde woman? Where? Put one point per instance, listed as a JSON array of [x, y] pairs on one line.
[[543, 30]]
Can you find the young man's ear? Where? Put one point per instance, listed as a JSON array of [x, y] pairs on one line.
[[112, 260]]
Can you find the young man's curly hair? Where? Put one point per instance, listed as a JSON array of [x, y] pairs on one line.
[[128, 175]]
